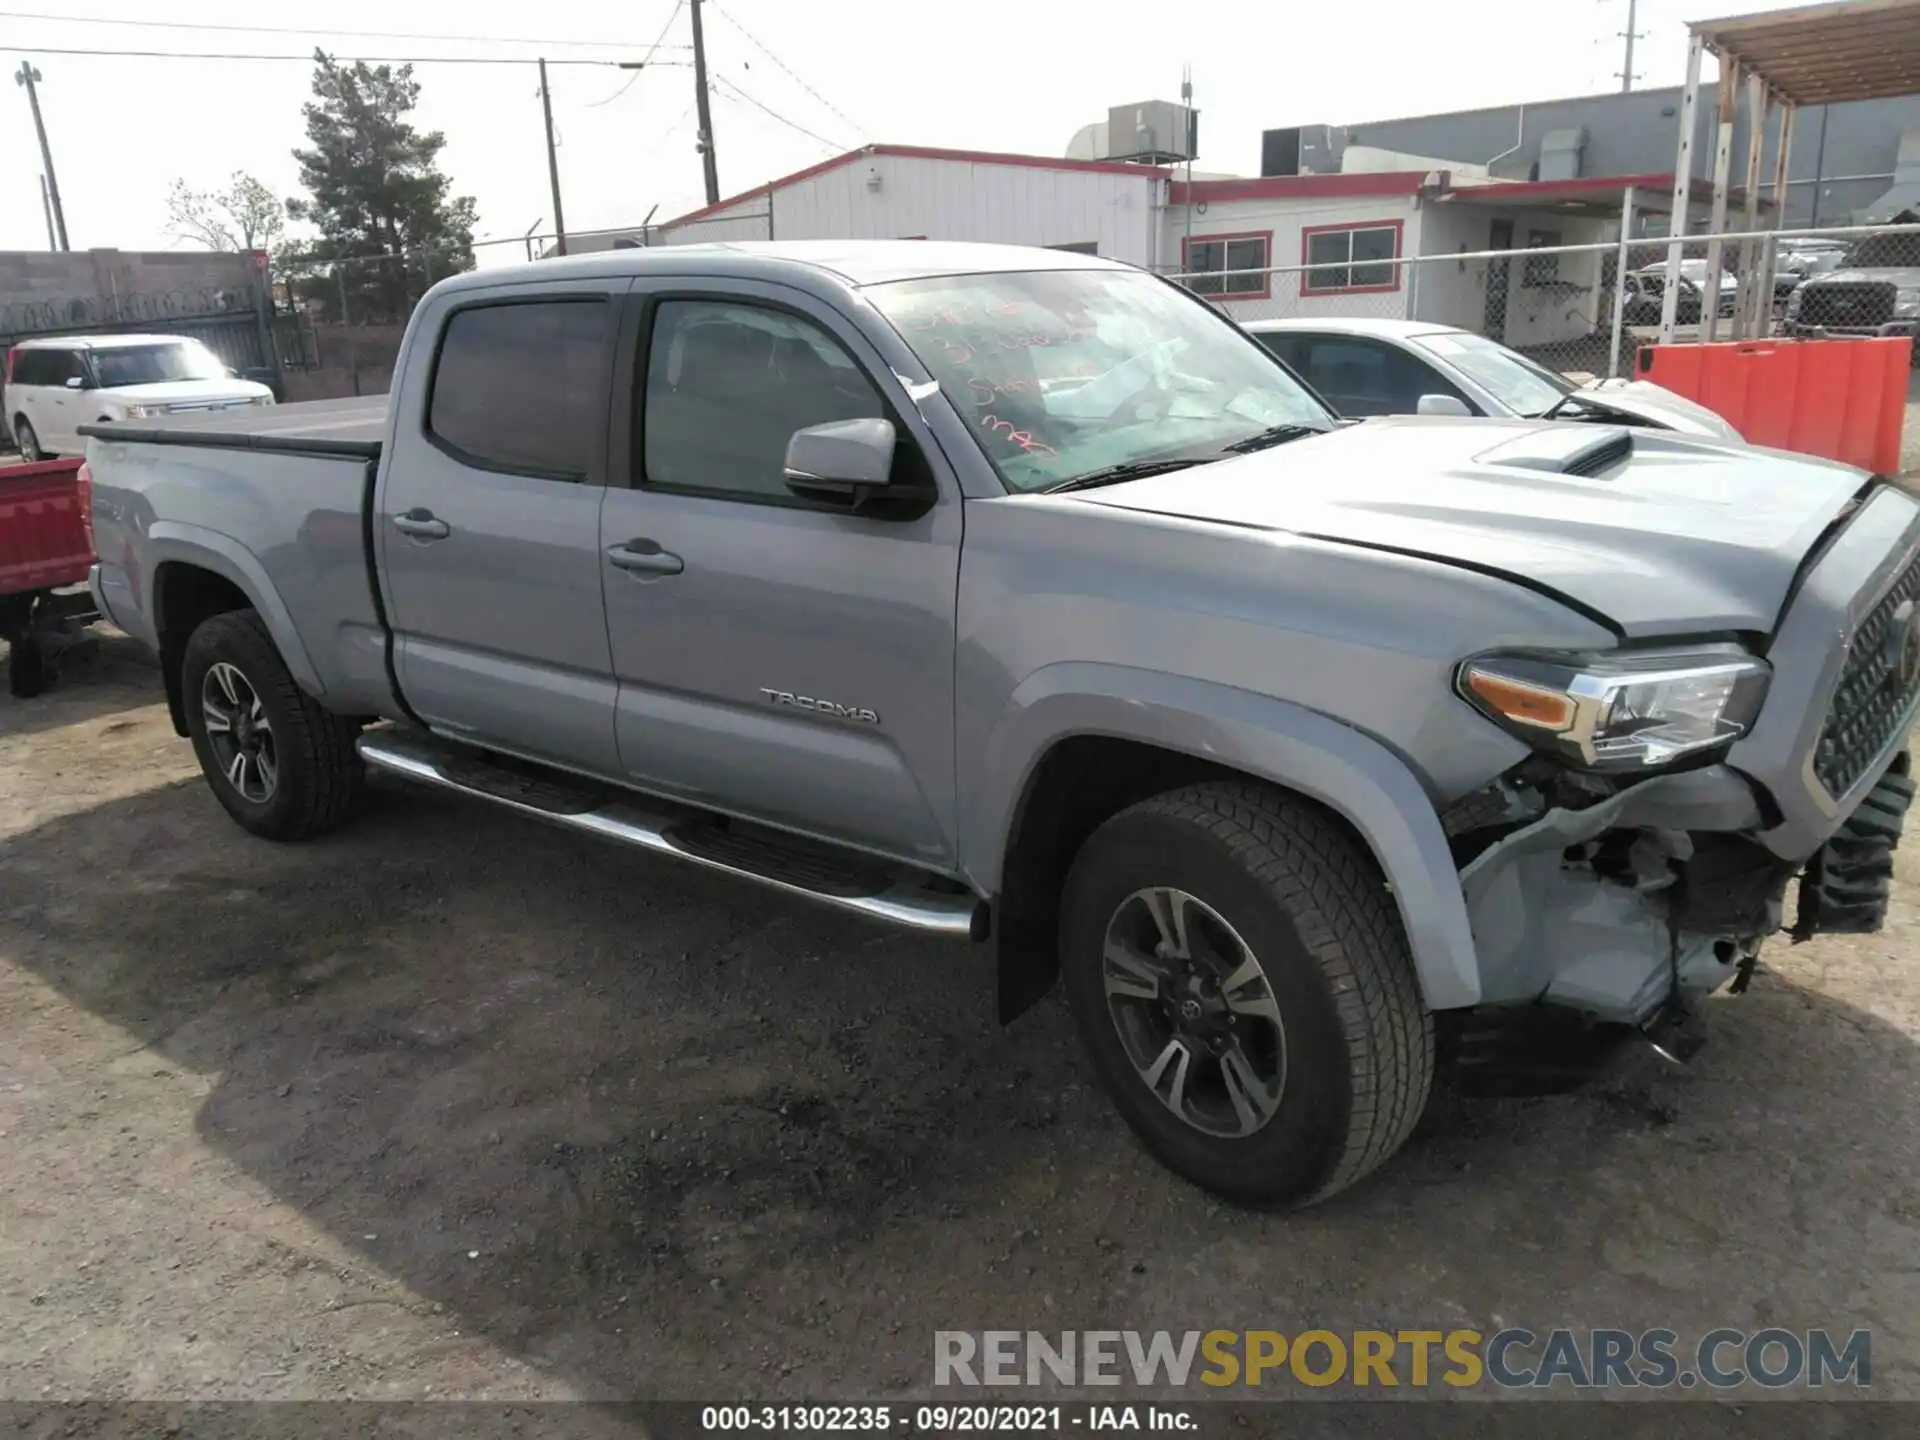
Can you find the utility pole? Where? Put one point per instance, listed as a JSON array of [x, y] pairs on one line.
[[553, 164], [707, 162], [28, 76], [1630, 34], [46, 208]]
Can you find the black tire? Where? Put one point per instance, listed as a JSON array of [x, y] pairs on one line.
[[27, 441], [318, 780], [26, 667], [1307, 902]]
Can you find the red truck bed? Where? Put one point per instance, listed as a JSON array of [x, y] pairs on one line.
[[43, 540]]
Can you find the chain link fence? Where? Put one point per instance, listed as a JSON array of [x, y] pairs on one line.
[[1585, 310]]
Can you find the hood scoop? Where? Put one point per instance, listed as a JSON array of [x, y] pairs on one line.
[[1584, 450]]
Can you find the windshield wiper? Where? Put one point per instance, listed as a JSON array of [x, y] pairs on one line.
[[1126, 470], [1272, 435], [1552, 412]]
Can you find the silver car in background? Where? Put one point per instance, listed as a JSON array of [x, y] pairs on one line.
[[1411, 367]]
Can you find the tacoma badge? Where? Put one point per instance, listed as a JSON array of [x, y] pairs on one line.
[[820, 707]]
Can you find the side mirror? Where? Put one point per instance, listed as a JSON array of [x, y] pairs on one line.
[[1442, 405], [838, 460], [76, 382]]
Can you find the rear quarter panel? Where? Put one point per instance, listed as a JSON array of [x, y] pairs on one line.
[[287, 529]]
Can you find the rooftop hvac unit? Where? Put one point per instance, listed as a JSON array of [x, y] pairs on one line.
[[1562, 152], [1158, 132]]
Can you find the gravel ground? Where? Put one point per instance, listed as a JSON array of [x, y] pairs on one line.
[[452, 1104]]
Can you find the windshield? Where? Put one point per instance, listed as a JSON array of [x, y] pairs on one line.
[[1883, 252], [122, 365], [1067, 372], [1512, 379]]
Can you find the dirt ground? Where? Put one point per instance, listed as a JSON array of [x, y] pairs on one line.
[[453, 1104]]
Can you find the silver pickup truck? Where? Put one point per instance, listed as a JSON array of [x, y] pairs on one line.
[[1015, 595]]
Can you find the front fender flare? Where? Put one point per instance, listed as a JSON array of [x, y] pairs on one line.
[[1349, 772], [171, 541]]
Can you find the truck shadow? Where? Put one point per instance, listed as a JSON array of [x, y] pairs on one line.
[[103, 673], [658, 1135]]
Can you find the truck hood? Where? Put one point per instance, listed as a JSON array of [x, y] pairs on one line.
[[1656, 405], [1675, 535], [1902, 277]]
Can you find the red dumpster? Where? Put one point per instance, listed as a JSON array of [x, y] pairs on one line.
[[46, 546], [1841, 399]]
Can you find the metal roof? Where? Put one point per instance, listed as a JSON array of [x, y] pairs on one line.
[[1825, 54]]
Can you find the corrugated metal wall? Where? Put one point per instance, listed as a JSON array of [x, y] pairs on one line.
[[880, 197]]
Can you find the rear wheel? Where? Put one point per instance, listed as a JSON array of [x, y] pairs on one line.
[[1240, 977], [28, 442], [284, 767]]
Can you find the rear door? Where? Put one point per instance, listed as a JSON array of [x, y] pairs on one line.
[[783, 659], [45, 399], [488, 521]]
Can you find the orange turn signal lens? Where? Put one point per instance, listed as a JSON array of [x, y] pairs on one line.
[[1522, 703]]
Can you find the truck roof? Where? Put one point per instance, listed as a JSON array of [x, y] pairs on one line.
[[856, 262]]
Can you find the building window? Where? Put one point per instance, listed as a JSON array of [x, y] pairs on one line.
[[1541, 269], [1210, 261], [1353, 257]]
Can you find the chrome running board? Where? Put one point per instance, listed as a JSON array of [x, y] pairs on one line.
[[851, 882]]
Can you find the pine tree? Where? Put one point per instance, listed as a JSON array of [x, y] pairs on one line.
[[387, 220]]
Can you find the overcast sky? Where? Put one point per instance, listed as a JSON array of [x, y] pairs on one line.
[[1018, 75]]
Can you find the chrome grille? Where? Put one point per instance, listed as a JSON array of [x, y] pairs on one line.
[[1879, 686]]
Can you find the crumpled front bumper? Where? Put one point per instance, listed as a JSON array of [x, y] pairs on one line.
[[1700, 860]]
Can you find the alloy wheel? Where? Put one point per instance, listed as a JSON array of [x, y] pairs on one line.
[[1195, 1012], [239, 733]]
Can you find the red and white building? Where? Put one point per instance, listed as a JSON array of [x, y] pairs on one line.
[[1150, 216]]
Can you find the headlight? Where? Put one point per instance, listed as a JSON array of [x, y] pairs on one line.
[[263, 399], [1906, 300], [1620, 711], [141, 412], [1798, 294]]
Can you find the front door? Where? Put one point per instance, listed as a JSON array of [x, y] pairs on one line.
[[778, 658], [1494, 317], [489, 522]]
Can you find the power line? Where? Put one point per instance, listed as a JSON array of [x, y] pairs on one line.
[[308, 30], [308, 59], [645, 59], [753, 40], [740, 94]]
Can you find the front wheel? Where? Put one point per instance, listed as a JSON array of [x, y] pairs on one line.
[[1239, 974], [281, 765]]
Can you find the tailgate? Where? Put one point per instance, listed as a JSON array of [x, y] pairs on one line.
[[43, 537]]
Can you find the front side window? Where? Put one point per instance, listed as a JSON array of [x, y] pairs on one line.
[[1515, 381], [729, 383], [520, 387], [117, 366], [1064, 373], [1217, 266], [1349, 258]]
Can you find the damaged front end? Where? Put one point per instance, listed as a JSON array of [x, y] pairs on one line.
[[1604, 910]]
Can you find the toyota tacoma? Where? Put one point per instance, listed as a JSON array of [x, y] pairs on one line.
[[1017, 596]]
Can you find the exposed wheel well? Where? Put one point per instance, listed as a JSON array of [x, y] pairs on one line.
[[1079, 784], [184, 596]]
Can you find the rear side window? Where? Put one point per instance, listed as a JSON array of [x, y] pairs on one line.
[[46, 367], [521, 387]]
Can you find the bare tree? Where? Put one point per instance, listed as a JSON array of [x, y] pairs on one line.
[[245, 215]]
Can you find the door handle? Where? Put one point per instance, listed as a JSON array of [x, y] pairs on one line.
[[641, 556], [421, 525]]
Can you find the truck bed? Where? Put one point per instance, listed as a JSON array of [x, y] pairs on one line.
[[311, 427]]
